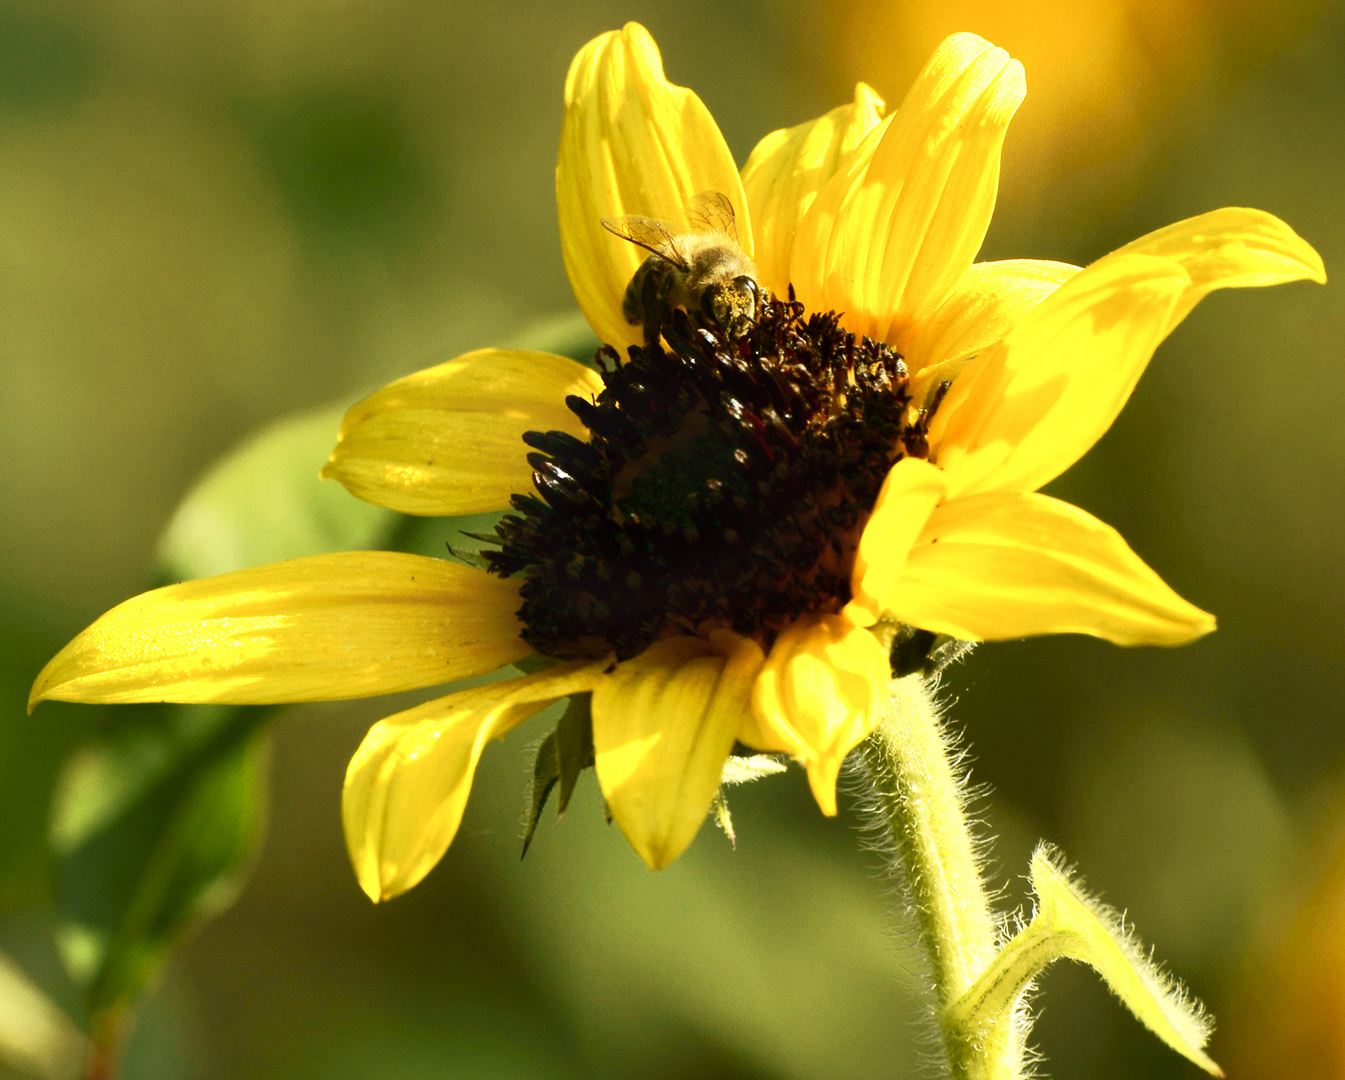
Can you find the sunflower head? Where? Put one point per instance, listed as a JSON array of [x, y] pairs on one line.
[[781, 468], [725, 483]]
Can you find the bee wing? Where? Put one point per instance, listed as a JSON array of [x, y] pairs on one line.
[[650, 234], [711, 212]]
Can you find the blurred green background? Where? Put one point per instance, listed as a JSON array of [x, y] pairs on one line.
[[214, 213]]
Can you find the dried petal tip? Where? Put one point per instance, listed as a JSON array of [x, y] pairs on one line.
[[818, 696]]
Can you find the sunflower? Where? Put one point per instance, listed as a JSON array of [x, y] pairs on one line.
[[729, 532]]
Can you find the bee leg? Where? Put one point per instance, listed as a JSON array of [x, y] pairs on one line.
[[750, 283], [655, 306], [632, 304], [660, 308]]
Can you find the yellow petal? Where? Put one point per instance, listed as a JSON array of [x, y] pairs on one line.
[[908, 496], [663, 725], [448, 440], [321, 628], [786, 170], [997, 566], [408, 783], [1029, 407], [631, 143], [819, 695], [888, 237], [1231, 248], [987, 301]]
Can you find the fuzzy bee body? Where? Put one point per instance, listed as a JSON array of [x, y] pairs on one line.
[[702, 272]]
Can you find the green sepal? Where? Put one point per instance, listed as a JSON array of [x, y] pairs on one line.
[[719, 810], [744, 768], [491, 540], [915, 651], [467, 557], [574, 744], [533, 663], [741, 768], [545, 775], [1069, 924], [562, 757]]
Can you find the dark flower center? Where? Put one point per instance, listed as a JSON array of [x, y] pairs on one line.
[[726, 483]]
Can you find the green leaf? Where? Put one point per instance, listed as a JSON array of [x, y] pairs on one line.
[[142, 748], [155, 822], [32, 750], [567, 334], [1069, 924], [156, 827], [264, 501], [36, 1037]]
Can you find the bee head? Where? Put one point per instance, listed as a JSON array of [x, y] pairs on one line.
[[732, 305]]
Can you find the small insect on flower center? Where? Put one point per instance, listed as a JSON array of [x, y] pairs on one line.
[[702, 272], [726, 483]]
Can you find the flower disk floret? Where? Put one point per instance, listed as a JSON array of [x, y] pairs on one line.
[[725, 483]]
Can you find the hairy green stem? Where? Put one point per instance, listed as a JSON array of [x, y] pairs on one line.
[[917, 795]]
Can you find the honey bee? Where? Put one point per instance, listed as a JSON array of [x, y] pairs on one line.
[[701, 271]]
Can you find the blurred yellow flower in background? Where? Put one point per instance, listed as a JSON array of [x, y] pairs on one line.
[[1112, 80], [1008, 373]]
